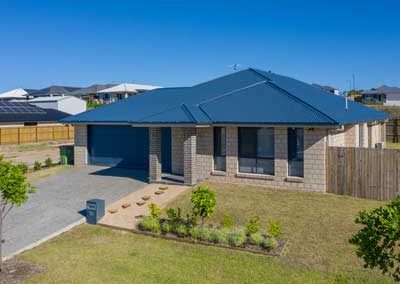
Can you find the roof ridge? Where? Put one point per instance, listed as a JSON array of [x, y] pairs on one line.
[[230, 93], [270, 82]]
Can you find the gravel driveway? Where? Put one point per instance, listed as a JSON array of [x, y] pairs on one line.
[[60, 199]]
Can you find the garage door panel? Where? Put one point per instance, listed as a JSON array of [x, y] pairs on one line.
[[121, 146]]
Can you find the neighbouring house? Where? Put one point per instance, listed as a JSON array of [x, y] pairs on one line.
[[25, 114], [385, 95], [251, 127], [67, 104], [52, 91], [122, 91], [91, 93], [328, 89], [16, 94]]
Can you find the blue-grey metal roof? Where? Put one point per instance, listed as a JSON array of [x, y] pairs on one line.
[[250, 96]]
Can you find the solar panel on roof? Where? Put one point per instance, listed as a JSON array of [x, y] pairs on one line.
[[19, 107]]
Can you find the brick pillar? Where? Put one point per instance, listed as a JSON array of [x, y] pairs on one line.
[[80, 145], [189, 155], [154, 154], [281, 153], [231, 150]]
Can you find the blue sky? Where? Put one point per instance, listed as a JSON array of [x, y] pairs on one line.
[[177, 43]]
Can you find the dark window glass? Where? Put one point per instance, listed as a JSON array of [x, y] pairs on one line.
[[256, 150], [295, 152], [220, 148]]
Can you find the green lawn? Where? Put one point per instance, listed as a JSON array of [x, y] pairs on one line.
[[316, 225]]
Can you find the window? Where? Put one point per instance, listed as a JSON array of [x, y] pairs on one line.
[[256, 150], [219, 148], [296, 152]]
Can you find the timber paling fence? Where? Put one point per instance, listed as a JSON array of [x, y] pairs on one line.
[[32, 134], [364, 172]]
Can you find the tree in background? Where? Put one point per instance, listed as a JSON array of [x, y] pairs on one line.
[[14, 190], [378, 242]]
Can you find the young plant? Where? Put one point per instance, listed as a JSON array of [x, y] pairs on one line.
[[237, 238], [48, 162], [181, 230], [253, 226], [166, 227], [227, 221], [274, 229], [204, 202], [256, 239], [220, 236], [14, 191], [174, 214], [150, 224], [269, 243], [378, 241], [37, 166], [155, 211]]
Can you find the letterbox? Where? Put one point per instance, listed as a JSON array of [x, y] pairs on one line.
[[94, 210]]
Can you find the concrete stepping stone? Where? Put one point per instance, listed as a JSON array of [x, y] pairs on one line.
[[163, 187], [113, 210], [126, 205], [159, 192], [145, 198], [140, 203]]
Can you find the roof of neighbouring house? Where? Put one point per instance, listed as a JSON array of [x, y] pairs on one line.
[[52, 99], [53, 90], [249, 96], [12, 112], [382, 90], [324, 87], [93, 89]]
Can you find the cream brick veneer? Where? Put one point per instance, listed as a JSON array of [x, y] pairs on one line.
[[80, 146], [315, 142], [177, 150], [154, 154]]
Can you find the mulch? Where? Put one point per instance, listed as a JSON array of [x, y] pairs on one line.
[[14, 271]]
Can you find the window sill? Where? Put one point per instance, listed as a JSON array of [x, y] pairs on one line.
[[255, 176], [294, 179], [218, 173]]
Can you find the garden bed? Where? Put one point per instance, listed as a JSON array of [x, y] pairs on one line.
[[278, 251]]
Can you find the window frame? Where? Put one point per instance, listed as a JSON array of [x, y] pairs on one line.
[[255, 156], [215, 146], [295, 158]]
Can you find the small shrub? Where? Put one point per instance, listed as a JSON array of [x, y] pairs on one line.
[[48, 162], [275, 228], [166, 227], [181, 230], [37, 166], [220, 236], [194, 233], [150, 224], [256, 239], [23, 167], [227, 221], [237, 238], [205, 234], [204, 202], [253, 226], [269, 243], [155, 211], [174, 214]]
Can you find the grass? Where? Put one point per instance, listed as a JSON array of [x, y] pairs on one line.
[[34, 146], [316, 225], [391, 145], [45, 172]]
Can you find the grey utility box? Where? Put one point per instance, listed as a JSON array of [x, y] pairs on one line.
[[94, 210]]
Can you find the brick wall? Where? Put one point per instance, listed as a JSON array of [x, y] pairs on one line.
[[315, 142], [154, 154], [189, 153], [80, 146], [177, 150]]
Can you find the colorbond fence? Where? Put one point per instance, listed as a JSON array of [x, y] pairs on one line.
[[393, 130], [365, 173], [31, 134]]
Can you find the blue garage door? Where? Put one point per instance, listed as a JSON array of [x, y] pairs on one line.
[[118, 146]]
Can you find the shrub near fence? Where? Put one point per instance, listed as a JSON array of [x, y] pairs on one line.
[[31, 134], [364, 172]]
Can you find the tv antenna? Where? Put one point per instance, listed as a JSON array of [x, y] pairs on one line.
[[234, 66]]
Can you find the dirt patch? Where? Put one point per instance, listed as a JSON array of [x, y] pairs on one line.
[[15, 271]]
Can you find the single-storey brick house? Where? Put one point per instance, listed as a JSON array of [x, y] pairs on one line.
[[251, 127]]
